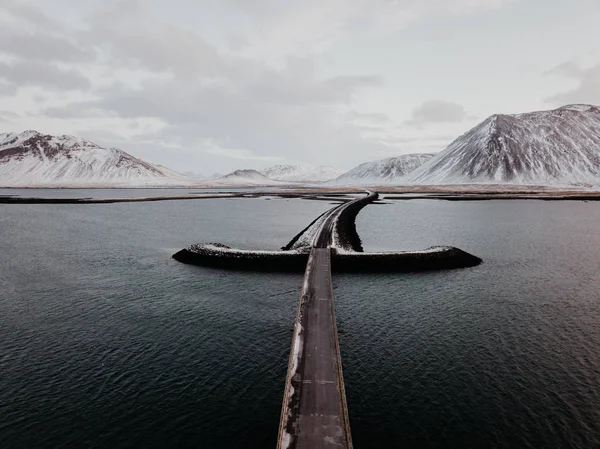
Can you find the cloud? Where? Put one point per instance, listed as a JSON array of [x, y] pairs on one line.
[[43, 74], [29, 15], [567, 68], [27, 33], [6, 88], [7, 116], [587, 89], [371, 117], [298, 84], [77, 109], [236, 42], [437, 111], [39, 47], [236, 153], [131, 35], [412, 140], [312, 26]]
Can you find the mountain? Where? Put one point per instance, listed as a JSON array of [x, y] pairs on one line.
[[557, 147], [301, 173], [386, 170], [32, 159], [246, 177]]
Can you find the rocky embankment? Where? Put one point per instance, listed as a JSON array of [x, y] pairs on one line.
[[217, 255], [434, 258], [220, 256]]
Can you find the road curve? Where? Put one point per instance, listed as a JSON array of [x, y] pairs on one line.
[[324, 237]]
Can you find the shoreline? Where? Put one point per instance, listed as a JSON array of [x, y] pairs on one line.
[[329, 194]]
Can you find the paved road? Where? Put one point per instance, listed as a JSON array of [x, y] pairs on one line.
[[321, 418], [314, 413]]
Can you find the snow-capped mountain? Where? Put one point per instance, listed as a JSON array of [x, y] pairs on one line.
[[246, 177], [32, 159], [557, 147], [387, 170], [301, 173]]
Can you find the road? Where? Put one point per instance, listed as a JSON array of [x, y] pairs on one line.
[[314, 413], [324, 236]]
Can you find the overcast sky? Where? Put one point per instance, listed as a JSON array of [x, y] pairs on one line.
[[214, 85]]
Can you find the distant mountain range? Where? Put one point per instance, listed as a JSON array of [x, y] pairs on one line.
[[33, 159], [301, 173], [383, 171], [558, 147], [247, 177]]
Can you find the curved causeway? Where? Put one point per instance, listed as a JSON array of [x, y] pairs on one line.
[[314, 413]]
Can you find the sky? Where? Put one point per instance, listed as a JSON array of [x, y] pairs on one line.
[[210, 86]]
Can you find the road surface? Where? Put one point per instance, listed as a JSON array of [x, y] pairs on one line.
[[314, 413]]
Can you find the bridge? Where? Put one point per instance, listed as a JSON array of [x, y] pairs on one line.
[[314, 413]]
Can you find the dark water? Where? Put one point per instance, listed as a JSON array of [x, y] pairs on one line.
[[107, 342], [506, 354]]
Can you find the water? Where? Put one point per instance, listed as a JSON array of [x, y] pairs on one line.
[[107, 342], [505, 354]]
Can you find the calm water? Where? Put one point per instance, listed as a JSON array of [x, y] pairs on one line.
[[107, 342], [506, 354]]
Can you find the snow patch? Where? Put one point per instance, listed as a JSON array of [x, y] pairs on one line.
[[287, 440], [430, 250], [217, 248]]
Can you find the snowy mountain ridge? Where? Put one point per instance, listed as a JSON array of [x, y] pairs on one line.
[[384, 171], [246, 177], [556, 147], [301, 173], [32, 159]]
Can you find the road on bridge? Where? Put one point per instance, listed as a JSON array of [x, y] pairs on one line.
[[314, 413]]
